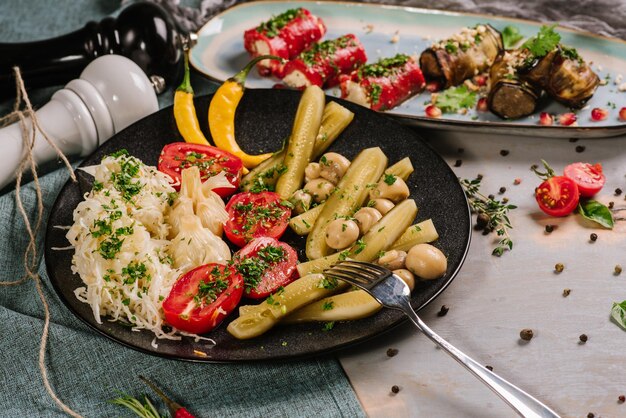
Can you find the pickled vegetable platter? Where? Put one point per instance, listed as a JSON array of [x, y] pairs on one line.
[[433, 186], [385, 31]]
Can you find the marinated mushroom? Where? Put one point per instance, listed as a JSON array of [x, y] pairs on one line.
[[341, 233], [382, 205], [319, 189], [366, 217], [333, 166], [426, 261], [407, 277], [393, 259], [301, 201], [312, 171], [392, 188]]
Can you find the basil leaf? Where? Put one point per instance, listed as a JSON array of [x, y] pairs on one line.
[[618, 313], [596, 212], [510, 36]]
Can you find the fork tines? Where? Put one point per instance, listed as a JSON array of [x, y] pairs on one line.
[[359, 273]]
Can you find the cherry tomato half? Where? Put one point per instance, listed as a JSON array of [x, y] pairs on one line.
[[265, 265], [589, 178], [253, 215], [210, 161], [203, 297], [557, 196]]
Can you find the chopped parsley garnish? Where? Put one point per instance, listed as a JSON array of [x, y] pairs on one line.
[[456, 98], [123, 181], [254, 216], [134, 272], [329, 283], [375, 92], [384, 67], [450, 47], [570, 53], [109, 248], [276, 23], [253, 268], [328, 305], [390, 179], [328, 326], [542, 43], [208, 292], [321, 51], [359, 246], [97, 186]]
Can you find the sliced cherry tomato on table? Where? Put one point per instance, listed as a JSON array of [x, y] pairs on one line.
[[201, 298], [589, 178], [265, 265], [557, 196], [254, 215], [210, 161]]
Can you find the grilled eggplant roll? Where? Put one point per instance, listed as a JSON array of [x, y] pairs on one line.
[[324, 62], [564, 75], [465, 54], [510, 96]]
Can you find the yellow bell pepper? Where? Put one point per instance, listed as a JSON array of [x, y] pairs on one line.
[[222, 115]]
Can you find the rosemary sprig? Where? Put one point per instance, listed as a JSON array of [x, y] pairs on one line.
[[494, 211]]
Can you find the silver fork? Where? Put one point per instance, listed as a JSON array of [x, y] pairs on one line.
[[392, 292]]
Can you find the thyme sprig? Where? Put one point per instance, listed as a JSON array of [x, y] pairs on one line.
[[495, 211]]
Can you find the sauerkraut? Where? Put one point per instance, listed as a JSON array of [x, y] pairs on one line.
[[120, 240]]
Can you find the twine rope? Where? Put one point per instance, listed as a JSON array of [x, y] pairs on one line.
[[29, 134]]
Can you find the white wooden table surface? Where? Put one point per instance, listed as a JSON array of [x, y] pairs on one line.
[[493, 298]]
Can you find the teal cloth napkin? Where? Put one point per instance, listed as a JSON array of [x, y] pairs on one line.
[[85, 368]]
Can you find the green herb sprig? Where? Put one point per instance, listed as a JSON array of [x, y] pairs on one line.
[[456, 98], [496, 211], [545, 41]]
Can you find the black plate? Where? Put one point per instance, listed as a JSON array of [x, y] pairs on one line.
[[264, 118]]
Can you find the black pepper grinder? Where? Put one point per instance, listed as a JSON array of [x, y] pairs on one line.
[[143, 32]]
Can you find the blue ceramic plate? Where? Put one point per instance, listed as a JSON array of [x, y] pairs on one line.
[[220, 53]]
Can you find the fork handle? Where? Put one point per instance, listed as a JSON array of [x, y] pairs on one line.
[[523, 403]]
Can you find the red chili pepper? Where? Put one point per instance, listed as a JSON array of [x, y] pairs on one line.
[[176, 409]]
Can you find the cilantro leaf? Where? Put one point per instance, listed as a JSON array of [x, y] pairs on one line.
[[542, 43], [511, 36], [456, 98]]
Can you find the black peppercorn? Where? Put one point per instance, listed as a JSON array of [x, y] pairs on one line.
[[443, 311], [611, 204], [549, 229], [392, 352], [502, 190], [618, 191], [395, 389], [482, 220], [593, 237], [583, 338], [458, 163], [489, 368], [491, 197], [580, 148], [590, 415], [504, 152], [621, 399]]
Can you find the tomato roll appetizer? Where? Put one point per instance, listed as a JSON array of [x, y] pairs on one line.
[[323, 63], [384, 84], [464, 55], [285, 36]]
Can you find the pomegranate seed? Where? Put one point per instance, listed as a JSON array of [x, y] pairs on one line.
[[545, 119], [622, 113], [480, 80], [598, 114], [433, 111], [481, 106], [567, 119], [433, 86]]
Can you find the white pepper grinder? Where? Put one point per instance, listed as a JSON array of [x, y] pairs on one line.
[[111, 93]]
